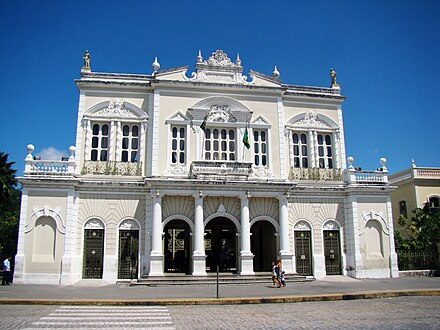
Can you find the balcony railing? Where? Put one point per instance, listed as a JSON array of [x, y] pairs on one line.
[[316, 174], [202, 169], [112, 168], [49, 167]]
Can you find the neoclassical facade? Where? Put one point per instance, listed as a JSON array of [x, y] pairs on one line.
[[180, 173], [415, 187]]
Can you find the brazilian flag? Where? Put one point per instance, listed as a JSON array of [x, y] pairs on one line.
[[203, 125], [246, 138]]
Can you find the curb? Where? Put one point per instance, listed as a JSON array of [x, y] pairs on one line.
[[225, 301]]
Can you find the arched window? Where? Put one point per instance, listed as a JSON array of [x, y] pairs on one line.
[[402, 209], [434, 202]]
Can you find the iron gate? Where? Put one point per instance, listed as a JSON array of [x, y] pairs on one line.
[[332, 252], [128, 254], [303, 252], [93, 253]]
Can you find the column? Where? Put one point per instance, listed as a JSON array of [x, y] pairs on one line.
[[285, 254], [156, 255], [246, 256], [312, 147], [87, 132], [200, 139], [336, 154], [199, 257], [142, 159]]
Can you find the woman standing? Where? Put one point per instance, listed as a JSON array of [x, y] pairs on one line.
[[278, 270]]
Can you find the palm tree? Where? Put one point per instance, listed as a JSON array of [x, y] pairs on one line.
[[7, 177]]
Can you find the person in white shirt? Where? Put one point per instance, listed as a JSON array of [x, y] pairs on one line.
[[6, 271]]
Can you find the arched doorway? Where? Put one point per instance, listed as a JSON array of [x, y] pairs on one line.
[[93, 256], [263, 245], [128, 257], [221, 245], [332, 248], [177, 247], [303, 248]]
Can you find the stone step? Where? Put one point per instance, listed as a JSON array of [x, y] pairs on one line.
[[211, 279]]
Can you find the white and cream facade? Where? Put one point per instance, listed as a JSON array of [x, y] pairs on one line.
[[160, 181]]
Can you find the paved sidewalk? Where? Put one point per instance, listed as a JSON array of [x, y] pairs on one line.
[[329, 288]]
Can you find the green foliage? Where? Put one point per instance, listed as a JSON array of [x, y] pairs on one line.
[[422, 231], [9, 207]]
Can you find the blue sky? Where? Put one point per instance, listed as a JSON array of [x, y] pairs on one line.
[[386, 55]]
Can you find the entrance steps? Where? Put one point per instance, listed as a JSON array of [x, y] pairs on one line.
[[211, 279]]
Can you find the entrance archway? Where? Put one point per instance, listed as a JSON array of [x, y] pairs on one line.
[[303, 248], [128, 257], [263, 245], [221, 245], [332, 248], [177, 247], [93, 254]]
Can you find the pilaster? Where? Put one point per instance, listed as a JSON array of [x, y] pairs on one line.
[[354, 263], [282, 141], [19, 257], [285, 254], [394, 269]]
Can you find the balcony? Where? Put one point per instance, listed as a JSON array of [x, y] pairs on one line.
[[220, 170], [112, 168], [34, 166], [315, 174]]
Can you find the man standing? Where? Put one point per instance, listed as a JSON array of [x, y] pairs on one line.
[[6, 271]]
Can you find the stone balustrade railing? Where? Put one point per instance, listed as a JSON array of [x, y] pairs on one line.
[[35, 166], [49, 167], [371, 177], [427, 173]]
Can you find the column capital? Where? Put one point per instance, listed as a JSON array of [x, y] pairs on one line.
[[198, 195], [156, 194]]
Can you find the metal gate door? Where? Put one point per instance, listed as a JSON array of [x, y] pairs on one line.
[[128, 254], [93, 253], [332, 252], [303, 252]]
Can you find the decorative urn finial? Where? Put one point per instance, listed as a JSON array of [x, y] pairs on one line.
[[238, 61], [199, 57], [276, 73], [350, 161], [155, 65]]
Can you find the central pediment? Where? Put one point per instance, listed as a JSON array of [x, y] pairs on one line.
[[218, 68]]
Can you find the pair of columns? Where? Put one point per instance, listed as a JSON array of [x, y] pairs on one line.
[[199, 257]]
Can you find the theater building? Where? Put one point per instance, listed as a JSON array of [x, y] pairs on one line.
[[177, 172]]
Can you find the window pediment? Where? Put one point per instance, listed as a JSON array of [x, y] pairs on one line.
[[311, 119], [116, 108]]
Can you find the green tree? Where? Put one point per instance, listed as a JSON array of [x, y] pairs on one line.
[[9, 207], [422, 231]]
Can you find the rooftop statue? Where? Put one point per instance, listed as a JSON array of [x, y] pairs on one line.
[[333, 78], [86, 58]]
